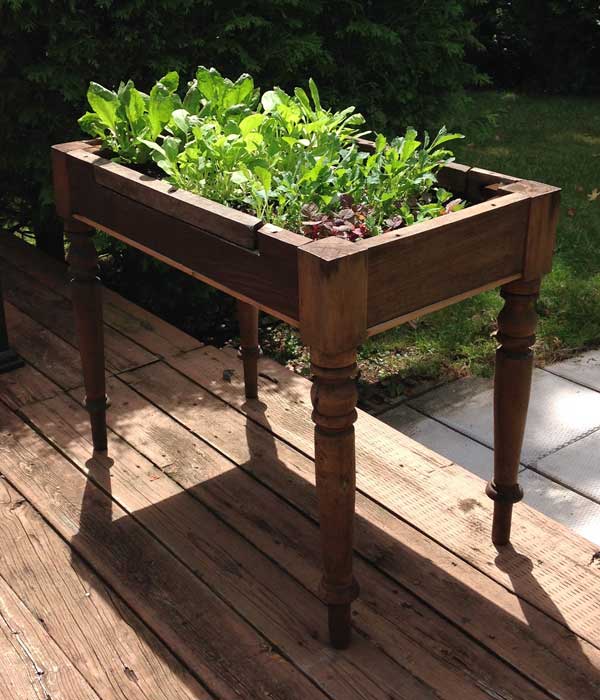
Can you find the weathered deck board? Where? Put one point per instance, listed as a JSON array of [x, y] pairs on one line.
[[289, 615], [43, 349], [155, 434], [395, 620], [436, 496], [102, 638], [25, 385], [186, 615], [32, 666], [222, 562], [523, 636], [139, 325], [47, 307]]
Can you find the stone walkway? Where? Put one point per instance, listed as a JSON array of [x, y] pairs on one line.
[[561, 453]]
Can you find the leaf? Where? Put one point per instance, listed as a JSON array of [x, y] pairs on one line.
[[264, 176], [302, 97], [270, 100], [291, 115], [153, 146], [380, 143], [408, 148], [162, 103], [594, 195], [171, 147], [253, 140], [134, 106], [104, 103], [354, 120], [170, 81], [91, 123], [243, 89], [180, 118], [238, 177], [192, 98], [315, 95], [439, 140], [210, 82], [251, 123]]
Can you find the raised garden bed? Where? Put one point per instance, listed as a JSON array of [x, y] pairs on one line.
[[337, 292], [409, 272]]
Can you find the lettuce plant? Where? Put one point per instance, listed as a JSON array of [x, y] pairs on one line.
[[281, 156]]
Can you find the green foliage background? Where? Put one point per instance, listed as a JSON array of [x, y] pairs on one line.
[[549, 46], [398, 62]]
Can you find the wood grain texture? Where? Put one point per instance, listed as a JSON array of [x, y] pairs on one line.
[[60, 176], [479, 179], [107, 644], [404, 628], [17, 677], [196, 625], [522, 636], [391, 618], [408, 271], [134, 323], [333, 294], [289, 615], [544, 209], [44, 350], [56, 313], [417, 485], [397, 320], [453, 177], [24, 385], [65, 422], [32, 666], [333, 323], [250, 275], [433, 262], [235, 226], [512, 385]]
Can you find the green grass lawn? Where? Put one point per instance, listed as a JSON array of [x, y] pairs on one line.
[[550, 139]]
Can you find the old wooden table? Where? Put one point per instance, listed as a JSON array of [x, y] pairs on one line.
[[337, 293]]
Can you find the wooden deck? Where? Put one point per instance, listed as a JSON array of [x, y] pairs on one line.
[[184, 565]]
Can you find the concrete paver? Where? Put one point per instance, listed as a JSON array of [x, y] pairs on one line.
[[560, 412], [562, 440], [583, 369], [567, 507], [576, 466], [475, 457]]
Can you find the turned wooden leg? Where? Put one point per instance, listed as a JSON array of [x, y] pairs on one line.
[[512, 384], [334, 399], [333, 276], [86, 291], [249, 349]]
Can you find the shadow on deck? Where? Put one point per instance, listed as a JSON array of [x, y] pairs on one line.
[[185, 562]]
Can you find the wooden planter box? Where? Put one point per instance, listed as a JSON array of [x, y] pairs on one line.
[[336, 292]]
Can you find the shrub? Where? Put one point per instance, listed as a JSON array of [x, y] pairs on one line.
[[536, 44]]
